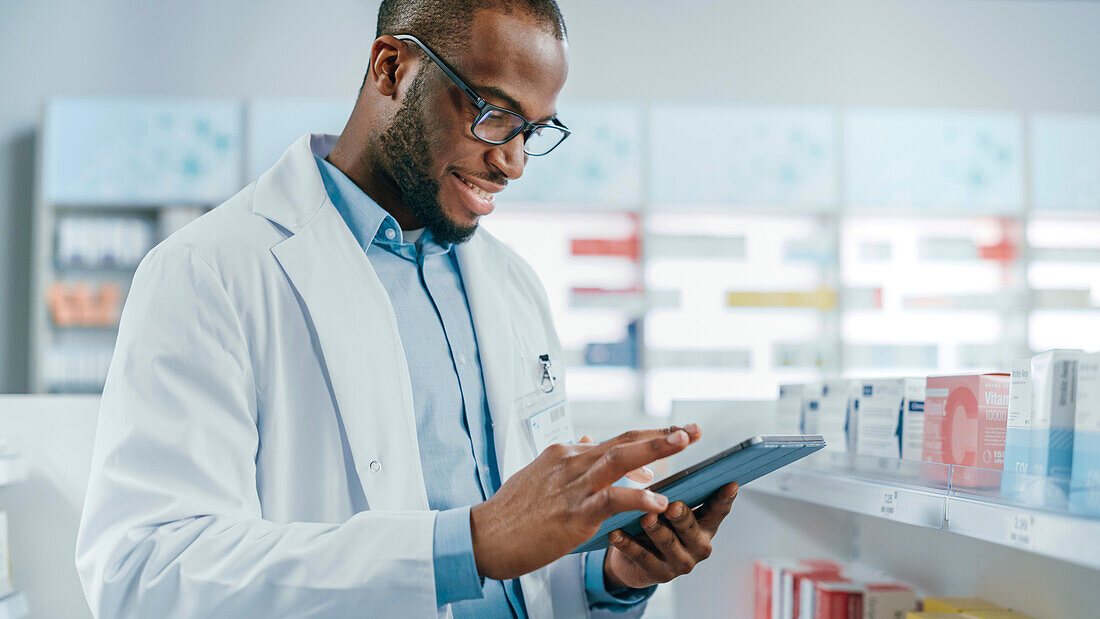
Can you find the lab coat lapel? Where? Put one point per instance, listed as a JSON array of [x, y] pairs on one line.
[[483, 280], [354, 324]]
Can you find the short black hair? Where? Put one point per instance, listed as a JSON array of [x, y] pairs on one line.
[[444, 25]]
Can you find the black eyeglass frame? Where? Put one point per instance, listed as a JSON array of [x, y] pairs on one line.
[[484, 107]]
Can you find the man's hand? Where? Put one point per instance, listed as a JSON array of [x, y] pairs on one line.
[[673, 543], [557, 502]]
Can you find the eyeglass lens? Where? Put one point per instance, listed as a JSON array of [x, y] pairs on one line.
[[499, 126]]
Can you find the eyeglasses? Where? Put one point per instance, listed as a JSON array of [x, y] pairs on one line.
[[496, 125]]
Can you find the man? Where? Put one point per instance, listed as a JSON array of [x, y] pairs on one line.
[[335, 396]]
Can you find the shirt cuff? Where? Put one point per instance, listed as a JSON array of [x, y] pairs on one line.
[[599, 596], [456, 575]]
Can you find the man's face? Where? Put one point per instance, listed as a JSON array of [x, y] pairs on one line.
[[430, 153]]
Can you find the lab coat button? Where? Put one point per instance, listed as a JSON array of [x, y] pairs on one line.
[[375, 466]]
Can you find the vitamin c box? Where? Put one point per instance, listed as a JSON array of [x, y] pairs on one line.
[[964, 423]]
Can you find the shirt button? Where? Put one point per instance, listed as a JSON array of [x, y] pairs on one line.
[[390, 233], [461, 359], [375, 466]]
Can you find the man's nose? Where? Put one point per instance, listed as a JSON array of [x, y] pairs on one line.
[[509, 157]]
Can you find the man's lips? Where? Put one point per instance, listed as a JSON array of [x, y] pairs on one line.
[[478, 201], [480, 185]]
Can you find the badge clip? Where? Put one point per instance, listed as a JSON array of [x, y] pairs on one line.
[[548, 380]]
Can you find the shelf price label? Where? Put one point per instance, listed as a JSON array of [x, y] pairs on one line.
[[889, 505], [1021, 530]]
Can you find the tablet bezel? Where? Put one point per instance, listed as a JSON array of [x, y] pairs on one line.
[[755, 440]]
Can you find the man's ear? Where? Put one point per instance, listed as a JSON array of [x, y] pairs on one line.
[[390, 62]]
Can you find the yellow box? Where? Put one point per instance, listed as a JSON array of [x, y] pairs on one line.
[[958, 605], [996, 614], [932, 615]]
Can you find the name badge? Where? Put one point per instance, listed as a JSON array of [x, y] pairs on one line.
[[548, 420]]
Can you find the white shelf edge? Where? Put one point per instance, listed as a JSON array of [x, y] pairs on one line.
[[1065, 537], [1060, 536], [923, 508], [14, 606]]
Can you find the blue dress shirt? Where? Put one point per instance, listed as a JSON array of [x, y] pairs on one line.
[[453, 425]]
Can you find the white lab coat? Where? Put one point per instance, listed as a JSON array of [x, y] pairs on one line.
[[256, 454]]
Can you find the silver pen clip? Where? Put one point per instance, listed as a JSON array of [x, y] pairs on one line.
[[547, 377]]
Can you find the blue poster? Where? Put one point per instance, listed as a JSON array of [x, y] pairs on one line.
[[141, 151], [743, 156], [934, 160], [1065, 162]]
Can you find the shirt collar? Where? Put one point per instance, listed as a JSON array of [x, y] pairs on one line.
[[369, 222]]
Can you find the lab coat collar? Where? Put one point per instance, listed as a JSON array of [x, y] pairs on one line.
[[292, 192]]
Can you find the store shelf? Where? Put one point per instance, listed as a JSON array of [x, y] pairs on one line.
[[12, 469], [14, 606], [1062, 536], [960, 500], [820, 481]]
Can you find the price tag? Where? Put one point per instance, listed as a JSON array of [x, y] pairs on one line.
[[1021, 530], [889, 505]]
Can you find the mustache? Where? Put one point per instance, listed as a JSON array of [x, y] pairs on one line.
[[497, 179]]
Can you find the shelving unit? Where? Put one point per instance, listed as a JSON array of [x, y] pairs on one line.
[[157, 163], [929, 495], [791, 199], [833, 224]]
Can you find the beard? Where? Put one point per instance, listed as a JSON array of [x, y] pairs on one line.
[[406, 150]]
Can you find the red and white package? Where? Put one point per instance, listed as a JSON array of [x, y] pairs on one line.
[[838, 600]]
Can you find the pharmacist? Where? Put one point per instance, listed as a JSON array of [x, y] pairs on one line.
[[335, 396]]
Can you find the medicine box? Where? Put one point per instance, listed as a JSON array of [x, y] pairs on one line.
[[1084, 491], [838, 600], [1053, 402], [964, 424], [855, 388], [812, 394], [999, 613], [887, 600], [890, 418], [788, 413], [768, 586], [1018, 430], [957, 604], [793, 579], [832, 415]]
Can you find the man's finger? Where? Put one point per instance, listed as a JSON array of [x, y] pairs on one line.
[[633, 436], [668, 544], [710, 515], [640, 555], [614, 461], [641, 475], [612, 500], [690, 533]]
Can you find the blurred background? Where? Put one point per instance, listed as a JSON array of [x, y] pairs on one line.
[[755, 193]]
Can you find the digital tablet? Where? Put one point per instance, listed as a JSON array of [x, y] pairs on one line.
[[741, 463]]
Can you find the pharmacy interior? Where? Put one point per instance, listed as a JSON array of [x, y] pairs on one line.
[[914, 276]]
